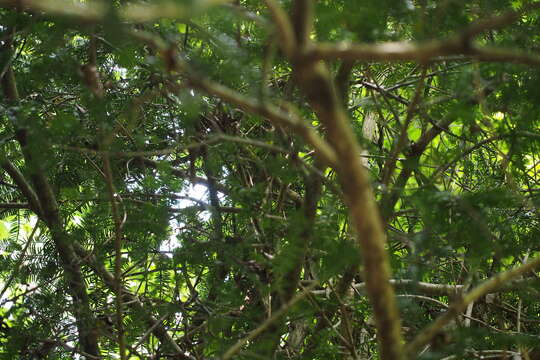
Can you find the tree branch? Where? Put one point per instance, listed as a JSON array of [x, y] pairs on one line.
[[316, 82], [95, 11], [283, 26], [233, 350], [433, 289], [44, 202], [488, 286], [14, 206], [131, 300], [431, 51], [24, 187]]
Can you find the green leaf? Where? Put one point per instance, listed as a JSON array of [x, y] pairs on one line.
[[4, 230]]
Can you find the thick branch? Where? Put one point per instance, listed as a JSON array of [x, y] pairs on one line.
[[302, 19], [316, 82], [419, 52], [96, 11]]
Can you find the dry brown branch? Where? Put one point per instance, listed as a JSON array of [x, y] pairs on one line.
[[43, 200]]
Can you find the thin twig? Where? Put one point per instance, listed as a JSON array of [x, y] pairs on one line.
[[118, 224], [460, 305], [173, 150], [390, 165], [149, 331], [19, 261], [233, 350]]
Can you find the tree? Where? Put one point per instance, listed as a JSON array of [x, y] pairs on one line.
[[369, 178]]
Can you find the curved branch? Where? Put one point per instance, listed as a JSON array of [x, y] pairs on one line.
[[44, 202]]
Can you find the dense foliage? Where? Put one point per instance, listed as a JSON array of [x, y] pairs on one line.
[[270, 179]]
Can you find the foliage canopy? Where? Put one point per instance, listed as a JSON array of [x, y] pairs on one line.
[[269, 179]]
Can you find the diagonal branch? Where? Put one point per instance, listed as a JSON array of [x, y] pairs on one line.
[[44, 201], [413, 153], [273, 113], [284, 115], [131, 300], [488, 286], [22, 185], [318, 85], [233, 350], [283, 26]]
